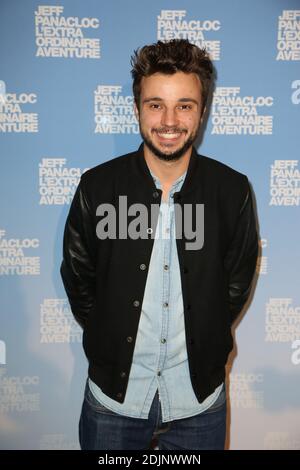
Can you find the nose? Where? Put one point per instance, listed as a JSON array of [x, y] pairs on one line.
[[169, 117]]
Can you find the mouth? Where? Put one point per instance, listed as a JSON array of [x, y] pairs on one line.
[[169, 136]]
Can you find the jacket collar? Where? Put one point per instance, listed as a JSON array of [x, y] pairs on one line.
[[190, 180]]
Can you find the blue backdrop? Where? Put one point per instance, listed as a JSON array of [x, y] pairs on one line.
[[65, 106]]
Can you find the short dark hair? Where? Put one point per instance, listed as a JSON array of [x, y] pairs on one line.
[[171, 57]]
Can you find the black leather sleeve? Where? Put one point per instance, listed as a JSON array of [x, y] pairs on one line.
[[78, 265], [241, 257]]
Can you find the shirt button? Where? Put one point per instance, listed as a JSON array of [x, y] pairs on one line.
[[166, 267], [159, 373], [129, 339], [142, 267], [163, 341], [155, 194], [165, 304], [136, 303]]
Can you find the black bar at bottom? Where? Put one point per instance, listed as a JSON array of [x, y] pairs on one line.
[[154, 458]]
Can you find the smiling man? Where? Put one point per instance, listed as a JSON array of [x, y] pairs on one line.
[[169, 111], [157, 311]]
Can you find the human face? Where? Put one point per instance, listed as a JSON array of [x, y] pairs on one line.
[[170, 113]]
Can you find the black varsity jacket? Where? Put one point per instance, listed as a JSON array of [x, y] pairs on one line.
[[105, 278]]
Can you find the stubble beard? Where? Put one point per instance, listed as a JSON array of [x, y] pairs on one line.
[[172, 156]]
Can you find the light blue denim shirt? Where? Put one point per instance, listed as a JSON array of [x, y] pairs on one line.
[[160, 356]]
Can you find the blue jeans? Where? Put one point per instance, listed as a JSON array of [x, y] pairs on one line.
[[103, 429]]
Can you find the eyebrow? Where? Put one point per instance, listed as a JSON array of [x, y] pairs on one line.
[[181, 100]]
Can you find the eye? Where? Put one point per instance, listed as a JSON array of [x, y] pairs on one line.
[[155, 106], [185, 107]]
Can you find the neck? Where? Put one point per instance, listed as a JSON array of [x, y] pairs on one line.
[[167, 171]]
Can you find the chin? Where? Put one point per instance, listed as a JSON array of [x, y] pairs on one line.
[[171, 155]]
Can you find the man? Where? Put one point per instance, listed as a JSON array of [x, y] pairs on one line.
[[156, 296]]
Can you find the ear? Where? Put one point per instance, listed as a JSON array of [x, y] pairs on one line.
[[136, 111], [203, 114]]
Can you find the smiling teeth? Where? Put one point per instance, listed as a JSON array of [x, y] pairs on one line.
[[168, 135]]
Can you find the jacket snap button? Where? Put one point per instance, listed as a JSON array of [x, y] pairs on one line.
[[155, 194], [136, 303], [119, 395], [129, 339], [123, 375], [142, 267]]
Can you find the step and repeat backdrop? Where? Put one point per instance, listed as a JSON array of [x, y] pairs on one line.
[[66, 106]]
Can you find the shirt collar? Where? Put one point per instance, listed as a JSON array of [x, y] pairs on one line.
[[176, 184], [194, 178]]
